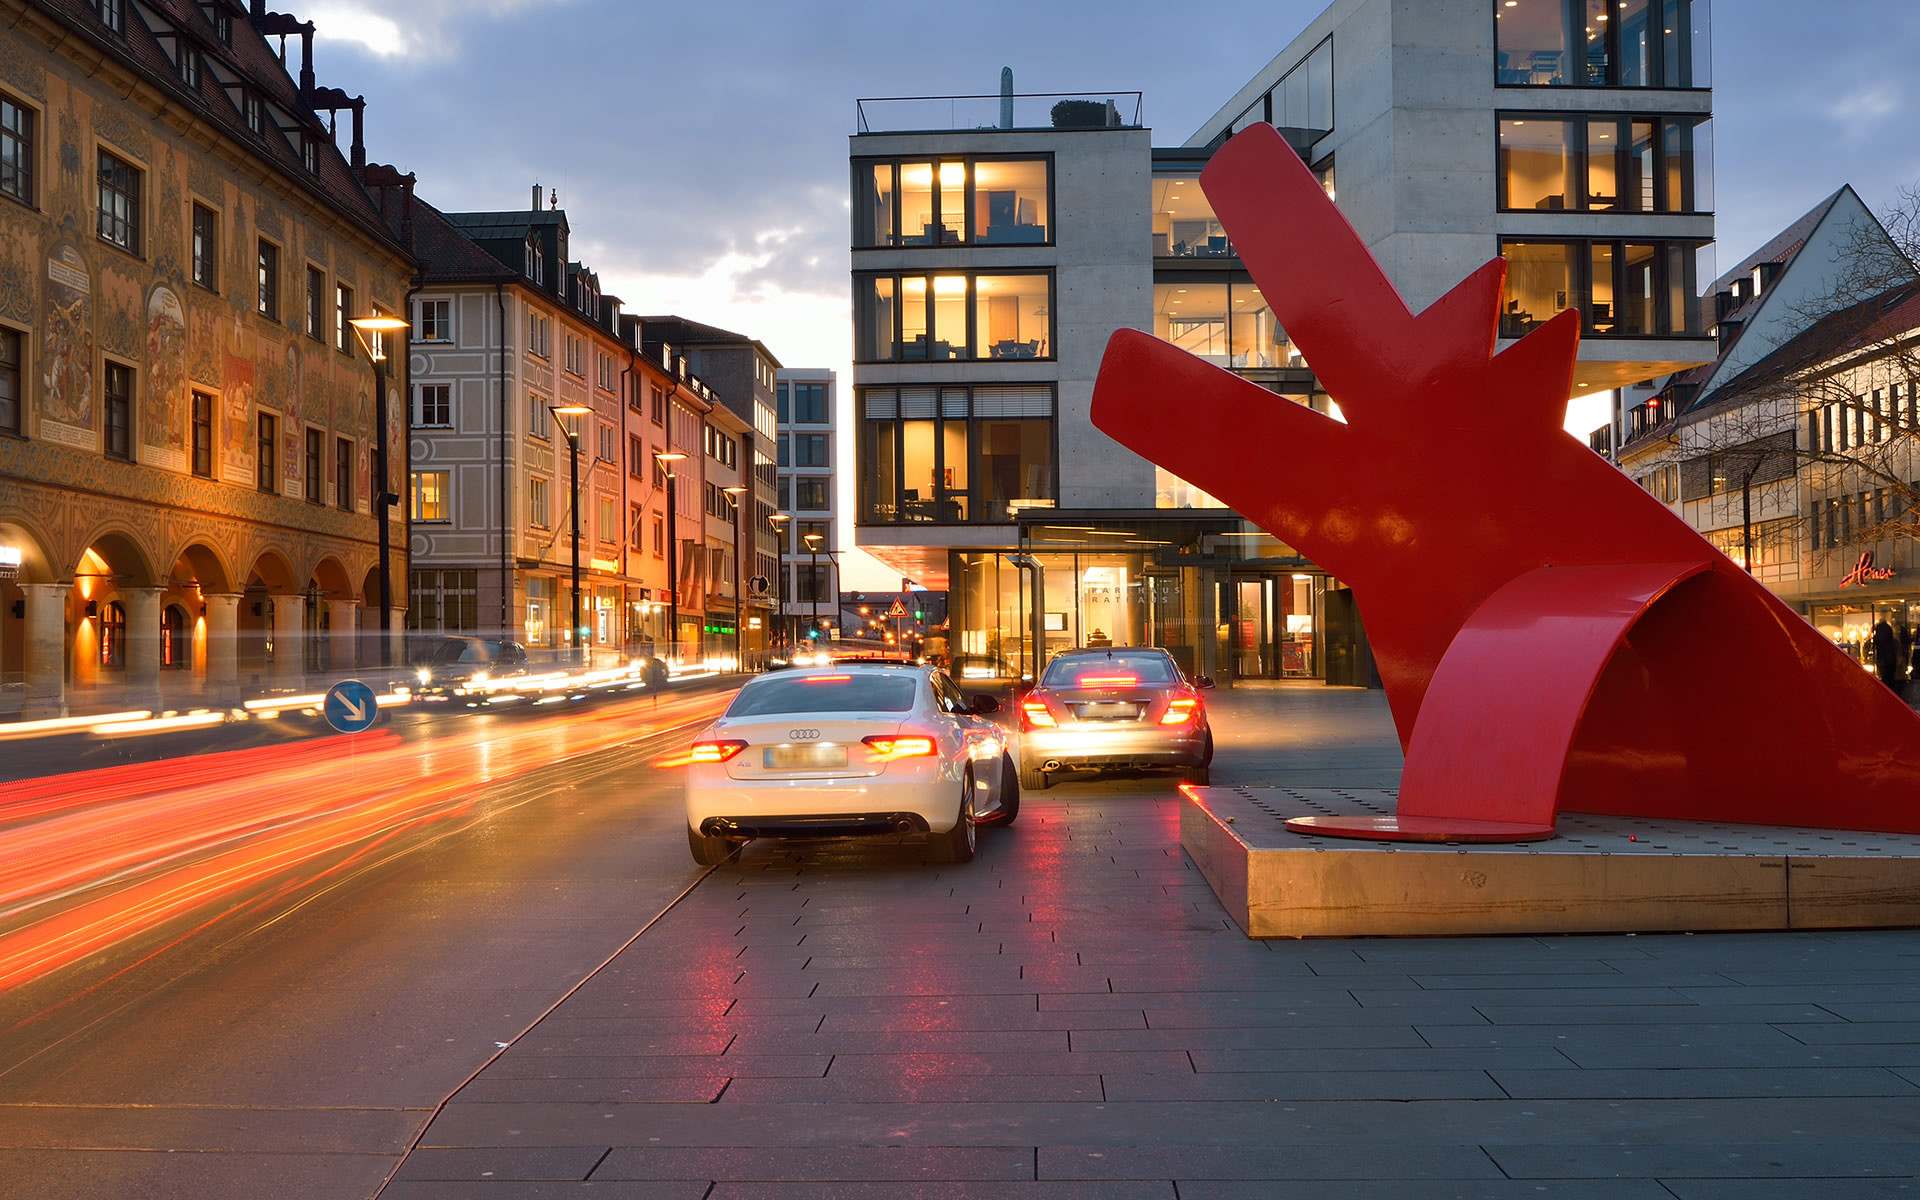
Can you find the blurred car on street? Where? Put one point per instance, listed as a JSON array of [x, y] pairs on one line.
[[463, 667]]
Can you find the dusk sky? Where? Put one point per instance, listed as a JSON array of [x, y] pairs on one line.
[[700, 150]]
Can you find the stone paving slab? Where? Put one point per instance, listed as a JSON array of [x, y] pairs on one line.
[[1072, 1015]]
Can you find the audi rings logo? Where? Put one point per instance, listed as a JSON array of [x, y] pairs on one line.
[[802, 735]]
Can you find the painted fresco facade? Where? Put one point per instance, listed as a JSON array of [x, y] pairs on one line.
[[164, 548]]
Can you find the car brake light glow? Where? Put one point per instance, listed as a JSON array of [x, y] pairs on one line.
[[717, 752], [1179, 711], [1103, 681], [1036, 714], [826, 678], [912, 745]]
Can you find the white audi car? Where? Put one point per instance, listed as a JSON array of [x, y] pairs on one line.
[[848, 750]]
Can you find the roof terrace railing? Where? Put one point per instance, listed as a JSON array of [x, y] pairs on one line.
[[1046, 110]]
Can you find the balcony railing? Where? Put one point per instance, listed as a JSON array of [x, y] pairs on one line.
[[1047, 110]]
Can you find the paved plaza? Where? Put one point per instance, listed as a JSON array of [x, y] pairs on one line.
[[1074, 1015]]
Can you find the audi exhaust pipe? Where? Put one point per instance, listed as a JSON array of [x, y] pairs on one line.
[[1052, 764]]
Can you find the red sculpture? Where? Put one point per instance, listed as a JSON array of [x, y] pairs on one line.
[[1550, 636]]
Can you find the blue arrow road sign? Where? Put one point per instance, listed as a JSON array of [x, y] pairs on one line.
[[350, 706]]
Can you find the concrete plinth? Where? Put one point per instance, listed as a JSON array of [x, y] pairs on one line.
[[1599, 875]]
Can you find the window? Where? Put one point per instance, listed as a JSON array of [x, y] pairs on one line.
[[343, 497], [539, 332], [576, 356], [922, 318], [119, 203], [316, 475], [266, 437], [802, 530], [119, 411], [189, 65], [659, 538], [538, 421], [10, 418], [636, 456], [222, 24], [206, 248], [1605, 163], [343, 319], [203, 434], [113, 14], [955, 454], [430, 496], [113, 636], [810, 404], [810, 450], [435, 322], [536, 261], [952, 201], [269, 279], [175, 650], [633, 528], [433, 405], [444, 601], [1602, 43], [810, 492], [538, 511], [606, 372], [810, 582], [16, 150], [316, 304], [609, 440], [255, 114], [659, 398], [1627, 289], [608, 527]]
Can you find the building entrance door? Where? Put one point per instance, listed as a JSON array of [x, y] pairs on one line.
[[1269, 625]]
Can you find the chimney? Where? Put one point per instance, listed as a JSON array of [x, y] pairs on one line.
[[536, 197], [306, 64], [1006, 97], [359, 153], [258, 9]]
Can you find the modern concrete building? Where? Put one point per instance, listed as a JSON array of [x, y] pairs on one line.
[[189, 500], [807, 405], [998, 241]]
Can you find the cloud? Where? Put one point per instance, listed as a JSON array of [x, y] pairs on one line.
[[428, 31]]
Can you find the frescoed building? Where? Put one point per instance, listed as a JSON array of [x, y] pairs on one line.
[[188, 503]]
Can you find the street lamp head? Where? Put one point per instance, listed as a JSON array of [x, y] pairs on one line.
[[812, 540], [668, 456], [571, 410], [734, 491], [371, 332], [779, 518]]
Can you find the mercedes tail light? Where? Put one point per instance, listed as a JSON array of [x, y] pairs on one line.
[[717, 751], [1035, 715], [1180, 710]]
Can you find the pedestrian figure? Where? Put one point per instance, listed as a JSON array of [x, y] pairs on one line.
[[1887, 659]]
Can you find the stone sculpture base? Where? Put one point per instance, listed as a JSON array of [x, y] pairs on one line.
[[1602, 874]]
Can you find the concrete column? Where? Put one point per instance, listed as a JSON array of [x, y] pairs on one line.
[[46, 650], [223, 649], [143, 646], [340, 615], [289, 633]]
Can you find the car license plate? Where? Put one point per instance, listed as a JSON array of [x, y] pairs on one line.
[[814, 757], [1109, 712]]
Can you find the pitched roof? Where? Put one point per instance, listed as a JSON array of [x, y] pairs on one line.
[[249, 60], [1834, 337], [695, 333]]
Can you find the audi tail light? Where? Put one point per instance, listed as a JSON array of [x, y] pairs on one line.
[[1180, 710], [717, 751], [1035, 714], [887, 747]]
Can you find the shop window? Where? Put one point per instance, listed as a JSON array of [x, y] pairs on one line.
[[176, 653], [113, 636]]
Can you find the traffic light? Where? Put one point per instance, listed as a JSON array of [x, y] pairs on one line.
[[918, 615], [813, 634]]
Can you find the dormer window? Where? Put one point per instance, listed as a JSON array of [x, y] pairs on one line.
[[113, 14], [190, 67], [253, 111]]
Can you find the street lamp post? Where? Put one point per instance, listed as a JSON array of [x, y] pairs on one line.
[[669, 457], [573, 506], [813, 541], [779, 522], [372, 333], [734, 494]]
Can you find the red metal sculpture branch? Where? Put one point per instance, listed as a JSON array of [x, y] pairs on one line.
[[1549, 635]]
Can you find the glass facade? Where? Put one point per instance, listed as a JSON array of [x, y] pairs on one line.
[[952, 201], [1227, 322], [1605, 163], [955, 454], [1184, 224], [1623, 289], [949, 316], [1602, 43]]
